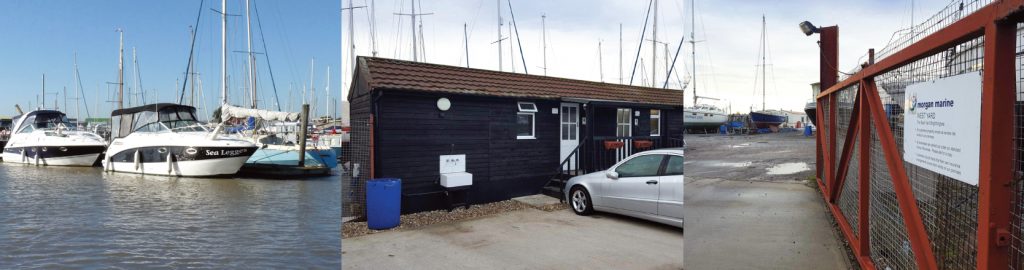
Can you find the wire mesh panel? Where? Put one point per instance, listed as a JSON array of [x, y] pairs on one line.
[[948, 207], [848, 198], [1017, 233], [355, 169], [890, 246], [826, 128]]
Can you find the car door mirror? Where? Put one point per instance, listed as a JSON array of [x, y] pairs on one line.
[[612, 174]]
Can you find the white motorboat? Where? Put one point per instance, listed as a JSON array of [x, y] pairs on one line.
[[166, 139], [46, 137]]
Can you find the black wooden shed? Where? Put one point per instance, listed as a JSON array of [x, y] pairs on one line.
[[518, 132]]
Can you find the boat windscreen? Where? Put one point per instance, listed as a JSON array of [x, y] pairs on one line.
[[51, 120]]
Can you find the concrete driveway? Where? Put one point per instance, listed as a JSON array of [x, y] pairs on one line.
[[524, 239], [740, 215]]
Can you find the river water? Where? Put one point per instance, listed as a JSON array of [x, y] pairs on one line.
[[68, 217]]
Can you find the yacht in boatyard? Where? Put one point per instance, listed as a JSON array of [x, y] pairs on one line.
[[46, 137], [704, 117], [166, 139]]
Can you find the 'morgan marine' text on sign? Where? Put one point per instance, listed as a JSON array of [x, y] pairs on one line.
[[942, 126]]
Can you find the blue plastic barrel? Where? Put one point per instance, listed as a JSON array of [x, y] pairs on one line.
[[383, 203]]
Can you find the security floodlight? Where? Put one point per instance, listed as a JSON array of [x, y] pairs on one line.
[[808, 28]]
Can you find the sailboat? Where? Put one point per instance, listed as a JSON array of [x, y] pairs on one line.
[[275, 133], [700, 116], [766, 118]]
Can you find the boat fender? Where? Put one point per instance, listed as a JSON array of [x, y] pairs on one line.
[[170, 164], [37, 157], [137, 158], [24, 158]]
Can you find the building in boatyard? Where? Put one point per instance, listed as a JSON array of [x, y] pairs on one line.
[[511, 133]]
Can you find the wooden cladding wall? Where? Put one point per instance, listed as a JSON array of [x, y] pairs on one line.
[[412, 133]]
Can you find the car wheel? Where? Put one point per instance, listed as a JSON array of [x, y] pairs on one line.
[[580, 202]]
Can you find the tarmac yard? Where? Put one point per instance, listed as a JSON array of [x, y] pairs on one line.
[[751, 204]]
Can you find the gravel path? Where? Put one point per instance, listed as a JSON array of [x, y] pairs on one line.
[[417, 220]]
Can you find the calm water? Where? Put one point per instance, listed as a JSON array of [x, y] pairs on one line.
[[84, 218]]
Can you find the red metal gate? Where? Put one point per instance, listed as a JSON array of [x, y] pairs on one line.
[[901, 216]]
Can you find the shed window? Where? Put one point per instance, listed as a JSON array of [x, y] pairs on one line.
[[527, 107], [524, 126], [655, 122]]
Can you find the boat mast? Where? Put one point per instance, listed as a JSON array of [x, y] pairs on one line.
[[693, 49], [42, 104], [654, 45], [120, 74], [764, 51], [352, 41], [600, 61], [252, 67], [544, 40], [465, 38], [415, 57], [620, 53], [224, 52], [499, 35]]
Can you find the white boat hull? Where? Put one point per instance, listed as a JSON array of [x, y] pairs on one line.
[[192, 168], [79, 160], [177, 154]]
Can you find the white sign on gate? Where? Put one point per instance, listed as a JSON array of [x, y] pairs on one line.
[[942, 126]]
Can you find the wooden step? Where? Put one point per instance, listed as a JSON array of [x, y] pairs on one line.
[[553, 191]]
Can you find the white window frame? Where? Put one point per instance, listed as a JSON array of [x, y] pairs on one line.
[[656, 116], [533, 126], [522, 109]]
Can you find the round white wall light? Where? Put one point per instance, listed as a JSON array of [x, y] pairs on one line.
[[444, 104]]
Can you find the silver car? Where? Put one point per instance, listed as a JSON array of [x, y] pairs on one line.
[[647, 185]]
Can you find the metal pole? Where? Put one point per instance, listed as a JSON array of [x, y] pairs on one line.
[[620, 53], [304, 124]]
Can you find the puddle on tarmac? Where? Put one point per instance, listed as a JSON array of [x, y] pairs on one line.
[[740, 145], [788, 168]]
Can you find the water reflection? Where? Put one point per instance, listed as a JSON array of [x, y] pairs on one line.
[[84, 218]]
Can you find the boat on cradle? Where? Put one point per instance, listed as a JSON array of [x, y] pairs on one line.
[[811, 110], [704, 116], [166, 139], [46, 137], [768, 118], [275, 135]]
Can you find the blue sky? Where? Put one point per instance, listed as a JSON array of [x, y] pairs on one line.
[[43, 36]]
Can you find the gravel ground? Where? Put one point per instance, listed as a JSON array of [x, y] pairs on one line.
[[421, 219]]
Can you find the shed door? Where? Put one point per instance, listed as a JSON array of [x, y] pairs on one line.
[[624, 132], [569, 113]]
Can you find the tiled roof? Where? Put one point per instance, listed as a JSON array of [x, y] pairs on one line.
[[383, 73]]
